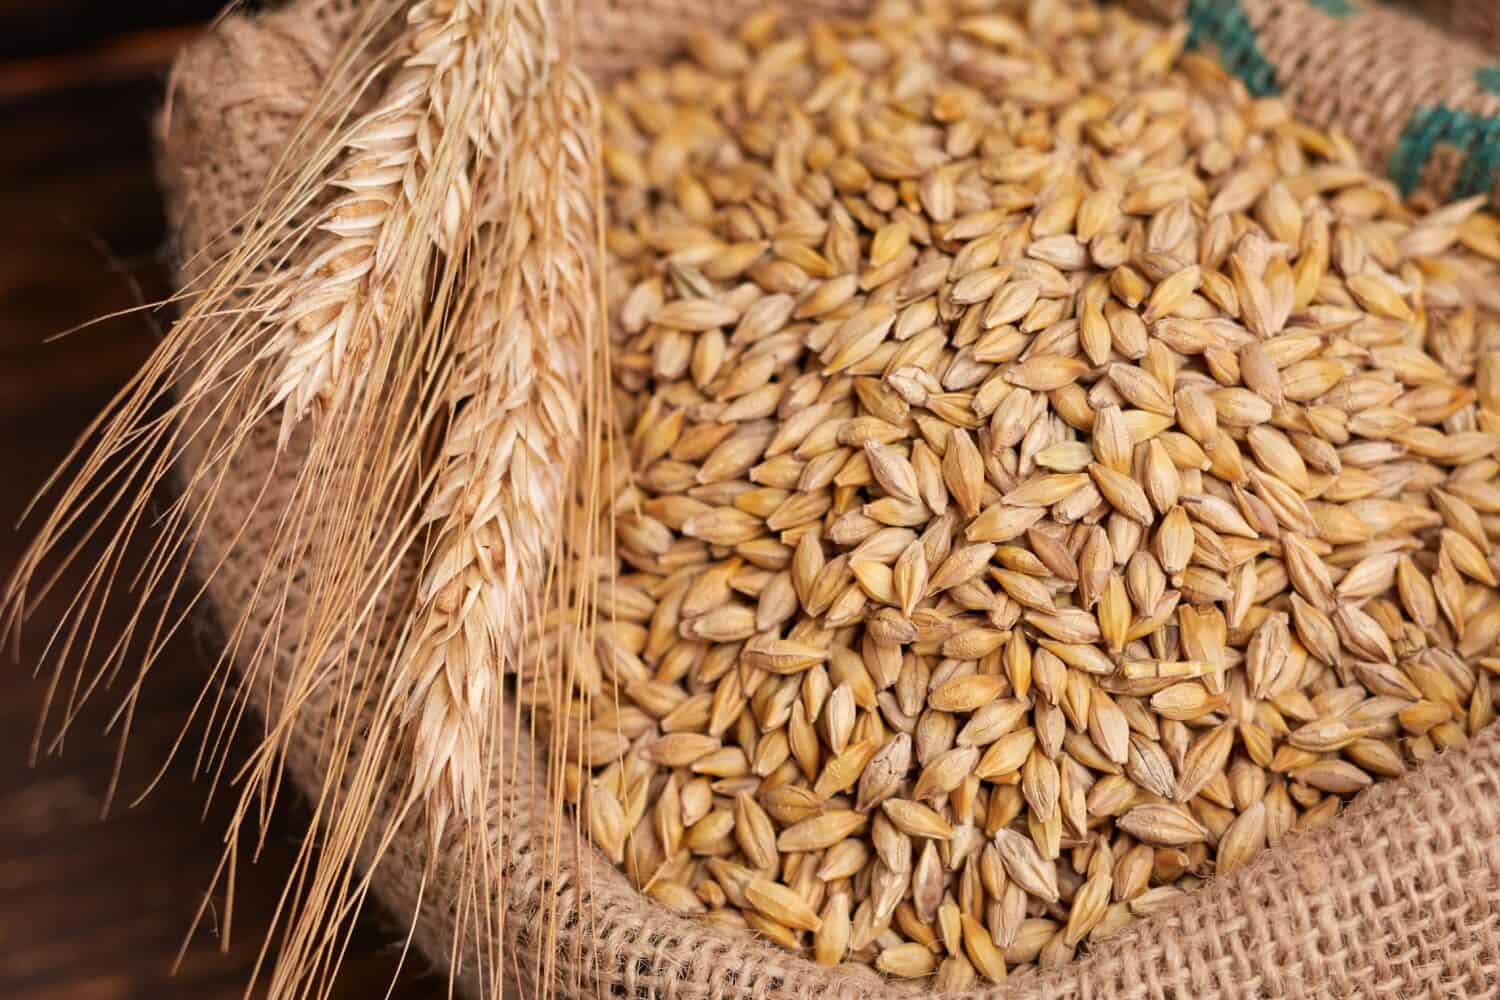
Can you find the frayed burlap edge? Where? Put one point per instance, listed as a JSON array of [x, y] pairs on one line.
[[1400, 896]]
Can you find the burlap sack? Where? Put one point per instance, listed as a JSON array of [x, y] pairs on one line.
[[1400, 896], [1422, 104]]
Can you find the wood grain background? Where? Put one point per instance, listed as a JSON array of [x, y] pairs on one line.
[[91, 909]]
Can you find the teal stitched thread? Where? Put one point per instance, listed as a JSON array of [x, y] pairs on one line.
[[1488, 77], [1477, 137], [1478, 173], [1335, 8], [1223, 24], [1415, 145]]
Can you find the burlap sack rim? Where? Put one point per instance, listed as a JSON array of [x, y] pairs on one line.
[[1401, 893]]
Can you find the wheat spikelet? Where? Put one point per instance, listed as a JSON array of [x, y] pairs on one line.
[[505, 461], [345, 294], [499, 488], [503, 495]]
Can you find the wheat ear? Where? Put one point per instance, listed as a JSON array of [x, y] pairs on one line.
[[514, 469], [352, 517], [508, 457], [508, 487], [345, 294], [360, 782], [530, 324], [504, 456]]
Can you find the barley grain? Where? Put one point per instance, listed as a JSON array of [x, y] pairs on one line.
[[1018, 531]]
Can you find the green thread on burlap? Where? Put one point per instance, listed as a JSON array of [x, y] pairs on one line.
[[1414, 146], [1223, 25], [1477, 137], [1478, 173]]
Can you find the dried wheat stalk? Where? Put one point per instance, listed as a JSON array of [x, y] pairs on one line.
[[506, 482], [507, 457], [345, 294], [349, 513], [512, 448], [1056, 477]]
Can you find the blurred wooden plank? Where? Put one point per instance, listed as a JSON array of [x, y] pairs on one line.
[[76, 185], [97, 909], [29, 29], [119, 57]]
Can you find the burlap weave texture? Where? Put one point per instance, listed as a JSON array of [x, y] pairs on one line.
[[1421, 104], [1400, 896]]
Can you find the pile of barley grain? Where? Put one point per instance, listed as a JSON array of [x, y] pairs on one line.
[[1056, 477]]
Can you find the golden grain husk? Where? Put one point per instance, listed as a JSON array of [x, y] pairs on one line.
[[1052, 489]]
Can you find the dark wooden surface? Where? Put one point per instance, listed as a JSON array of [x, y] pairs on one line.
[[91, 909]]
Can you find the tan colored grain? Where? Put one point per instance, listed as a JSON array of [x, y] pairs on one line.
[[1015, 536]]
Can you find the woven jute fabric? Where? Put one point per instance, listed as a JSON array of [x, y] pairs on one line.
[[1422, 104], [1399, 896]]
